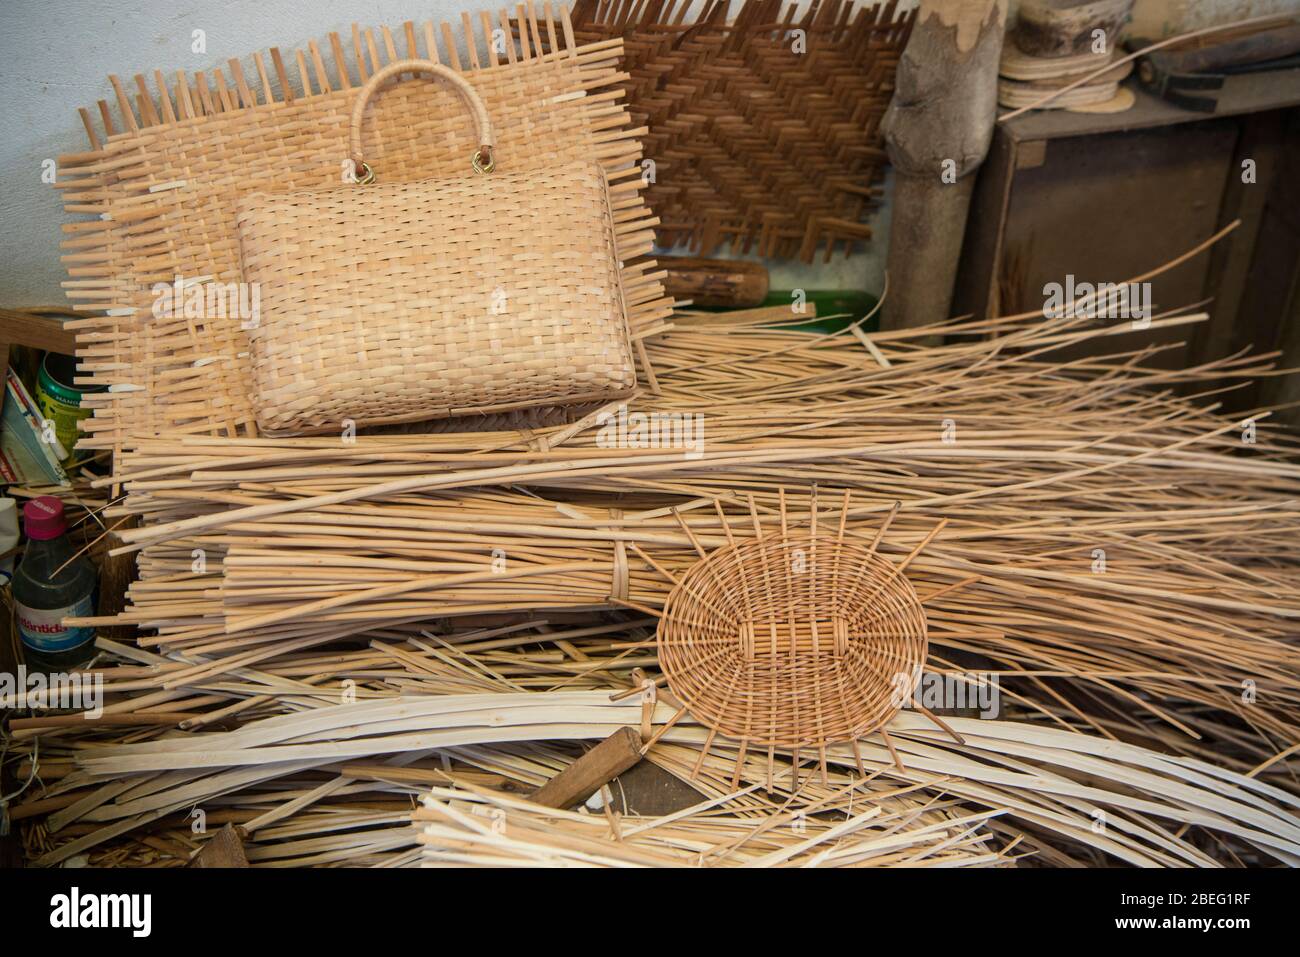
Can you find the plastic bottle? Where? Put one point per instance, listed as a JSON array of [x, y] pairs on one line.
[[43, 599]]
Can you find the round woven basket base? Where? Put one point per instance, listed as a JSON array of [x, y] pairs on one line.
[[792, 641]]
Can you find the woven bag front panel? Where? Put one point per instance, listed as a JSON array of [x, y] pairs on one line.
[[402, 302]]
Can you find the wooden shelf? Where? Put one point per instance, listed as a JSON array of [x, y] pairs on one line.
[[1241, 94], [18, 328]]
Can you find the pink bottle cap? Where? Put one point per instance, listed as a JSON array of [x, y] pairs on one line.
[[43, 518]]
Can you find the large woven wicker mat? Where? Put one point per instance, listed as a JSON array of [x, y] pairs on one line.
[[165, 171], [764, 117]]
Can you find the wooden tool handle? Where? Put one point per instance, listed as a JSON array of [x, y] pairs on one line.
[[715, 282], [585, 776], [1209, 56]]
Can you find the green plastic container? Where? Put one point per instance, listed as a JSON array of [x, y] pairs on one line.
[[60, 400], [850, 305]]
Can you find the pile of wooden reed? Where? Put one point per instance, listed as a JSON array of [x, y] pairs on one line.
[[1098, 536], [1110, 541]]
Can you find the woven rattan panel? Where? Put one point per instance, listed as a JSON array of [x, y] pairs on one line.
[[163, 193], [765, 131]]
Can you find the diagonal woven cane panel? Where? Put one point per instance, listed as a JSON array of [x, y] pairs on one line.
[[164, 190], [795, 640], [765, 132]]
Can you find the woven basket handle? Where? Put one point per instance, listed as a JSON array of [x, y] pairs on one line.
[[482, 160]]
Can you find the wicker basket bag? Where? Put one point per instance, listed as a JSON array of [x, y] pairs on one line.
[[402, 302]]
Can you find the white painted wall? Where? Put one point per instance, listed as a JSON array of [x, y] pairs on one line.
[[1155, 19]]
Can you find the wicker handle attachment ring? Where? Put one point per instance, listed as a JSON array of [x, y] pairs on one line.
[[482, 161]]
